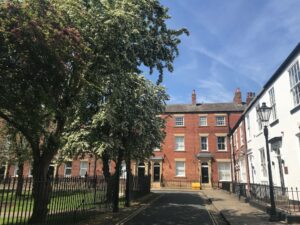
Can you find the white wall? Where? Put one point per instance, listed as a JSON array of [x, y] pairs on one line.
[[287, 128]]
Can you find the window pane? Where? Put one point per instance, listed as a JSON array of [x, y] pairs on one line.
[[202, 121], [179, 143], [180, 168], [220, 120], [263, 162], [68, 168], [203, 141], [221, 143], [83, 168], [224, 171], [273, 103], [294, 73], [16, 170], [179, 121]]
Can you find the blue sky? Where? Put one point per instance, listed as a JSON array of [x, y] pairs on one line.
[[234, 43]]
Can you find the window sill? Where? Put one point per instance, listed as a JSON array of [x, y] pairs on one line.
[[297, 108], [221, 150], [203, 126], [179, 151], [179, 126], [221, 125], [204, 150], [274, 123], [184, 177]]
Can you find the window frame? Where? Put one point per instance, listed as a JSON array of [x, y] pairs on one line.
[[263, 164], [259, 123], [227, 172], [202, 149], [273, 103], [177, 169], [86, 169], [16, 170], [201, 117], [225, 144], [68, 168], [294, 77], [177, 149], [223, 122], [179, 123]]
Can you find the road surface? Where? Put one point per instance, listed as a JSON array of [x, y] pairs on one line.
[[176, 208]]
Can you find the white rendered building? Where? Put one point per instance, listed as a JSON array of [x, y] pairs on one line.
[[282, 93]]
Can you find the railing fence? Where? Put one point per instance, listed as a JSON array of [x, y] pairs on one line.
[[184, 184], [70, 199], [286, 199]]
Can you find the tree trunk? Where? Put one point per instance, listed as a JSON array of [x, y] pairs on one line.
[[117, 181], [20, 179], [128, 183], [108, 178], [105, 160], [41, 191]]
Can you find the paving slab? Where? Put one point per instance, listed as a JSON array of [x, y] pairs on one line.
[[237, 212]]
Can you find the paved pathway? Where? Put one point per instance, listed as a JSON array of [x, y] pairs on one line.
[[175, 208], [237, 212]]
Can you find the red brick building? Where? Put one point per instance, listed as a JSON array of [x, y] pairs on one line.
[[197, 145], [240, 163], [72, 168]]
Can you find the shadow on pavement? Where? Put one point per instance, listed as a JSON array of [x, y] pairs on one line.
[[174, 209]]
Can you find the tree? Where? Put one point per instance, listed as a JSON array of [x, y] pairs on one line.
[[135, 127], [57, 61], [41, 70], [125, 34], [127, 125], [14, 150]]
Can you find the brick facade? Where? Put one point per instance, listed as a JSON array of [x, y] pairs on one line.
[[189, 163], [193, 157], [59, 169]]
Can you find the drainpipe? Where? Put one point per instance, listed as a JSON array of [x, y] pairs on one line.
[[233, 178]]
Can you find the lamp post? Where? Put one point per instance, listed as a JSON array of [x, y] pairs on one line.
[[264, 113]]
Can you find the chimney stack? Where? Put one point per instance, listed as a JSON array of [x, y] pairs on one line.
[[194, 98], [250, 97], [237, 96]]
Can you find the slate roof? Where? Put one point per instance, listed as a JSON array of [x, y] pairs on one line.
[[205, 107]]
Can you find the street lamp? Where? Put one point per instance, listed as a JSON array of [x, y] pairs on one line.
[[264, 113]]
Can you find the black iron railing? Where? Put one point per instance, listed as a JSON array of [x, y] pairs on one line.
[[70, 199], [179, 183], [286, 199]]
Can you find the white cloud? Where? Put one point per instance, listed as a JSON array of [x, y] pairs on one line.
[[215, 91], [240, 43]]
